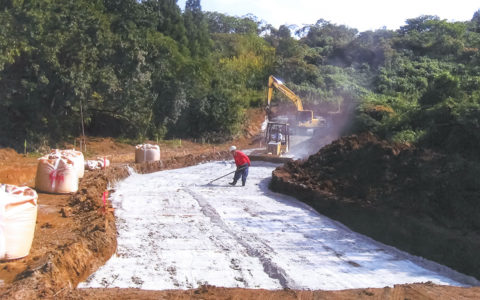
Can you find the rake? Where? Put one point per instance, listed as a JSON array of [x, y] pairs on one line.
[[224, 176]]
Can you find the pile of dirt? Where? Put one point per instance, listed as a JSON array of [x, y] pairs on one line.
[[396, 193], [362, 169], [7, 153], [16, 168]]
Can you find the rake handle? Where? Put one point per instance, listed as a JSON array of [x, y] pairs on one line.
[[226, 175]]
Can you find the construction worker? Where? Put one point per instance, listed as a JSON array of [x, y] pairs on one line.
[[242, 162], [277, 136]]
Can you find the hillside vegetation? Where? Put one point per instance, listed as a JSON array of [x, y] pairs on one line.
[[147, 69]]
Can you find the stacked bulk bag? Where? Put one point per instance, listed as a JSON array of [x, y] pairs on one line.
[[75, 156], [18, 214], [147, 153], [56, 175]]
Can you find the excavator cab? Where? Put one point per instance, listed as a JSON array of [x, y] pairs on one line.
[[304, 116], [277, 138]]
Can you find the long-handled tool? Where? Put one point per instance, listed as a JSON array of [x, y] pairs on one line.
[[224, 175]]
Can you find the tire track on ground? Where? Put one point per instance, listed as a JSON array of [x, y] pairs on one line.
[[270, 268]]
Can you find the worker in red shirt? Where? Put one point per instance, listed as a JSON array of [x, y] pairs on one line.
[[242, 162]]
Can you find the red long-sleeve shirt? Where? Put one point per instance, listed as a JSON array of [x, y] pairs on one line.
[[241, 158]]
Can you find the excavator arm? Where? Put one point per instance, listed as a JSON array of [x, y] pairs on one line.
[[304, 118], [274, 82]]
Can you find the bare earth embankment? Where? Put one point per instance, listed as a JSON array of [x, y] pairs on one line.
[[410, 198]]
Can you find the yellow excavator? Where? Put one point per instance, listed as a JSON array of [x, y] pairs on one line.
[[304, 120]]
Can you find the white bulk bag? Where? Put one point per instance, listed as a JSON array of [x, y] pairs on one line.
[[57, 176], [75, 156], [147, 153], [18, 214], [100, 163]]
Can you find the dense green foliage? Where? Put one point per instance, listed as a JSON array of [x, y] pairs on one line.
[[147, 69], [133, 69]]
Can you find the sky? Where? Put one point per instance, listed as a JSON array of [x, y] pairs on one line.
[[362, 15]]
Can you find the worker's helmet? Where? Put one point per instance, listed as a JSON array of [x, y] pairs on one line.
[[233, 148]]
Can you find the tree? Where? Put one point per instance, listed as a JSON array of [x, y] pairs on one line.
[[373, 48], [428, 35], [330, 38], [475, 22], [440, 89], [221, 23], [165, 17], [198, 37]]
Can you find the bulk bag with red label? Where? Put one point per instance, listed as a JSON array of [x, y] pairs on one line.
[[18, 214], [100, 163], [58, 176], [75, 156], [147, 153]]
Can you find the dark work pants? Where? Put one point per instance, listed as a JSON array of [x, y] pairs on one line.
[[241, 171]]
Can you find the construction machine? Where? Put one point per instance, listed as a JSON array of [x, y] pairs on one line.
[[277, 138], [304, 122], [277, 143]]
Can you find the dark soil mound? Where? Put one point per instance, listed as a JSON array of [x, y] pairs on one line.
[[357, 168], [415, 199]]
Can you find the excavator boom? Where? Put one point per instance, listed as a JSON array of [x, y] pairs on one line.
[[304, 118], [274, 82]]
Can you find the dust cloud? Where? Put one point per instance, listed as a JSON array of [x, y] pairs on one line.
[[302, 146]]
